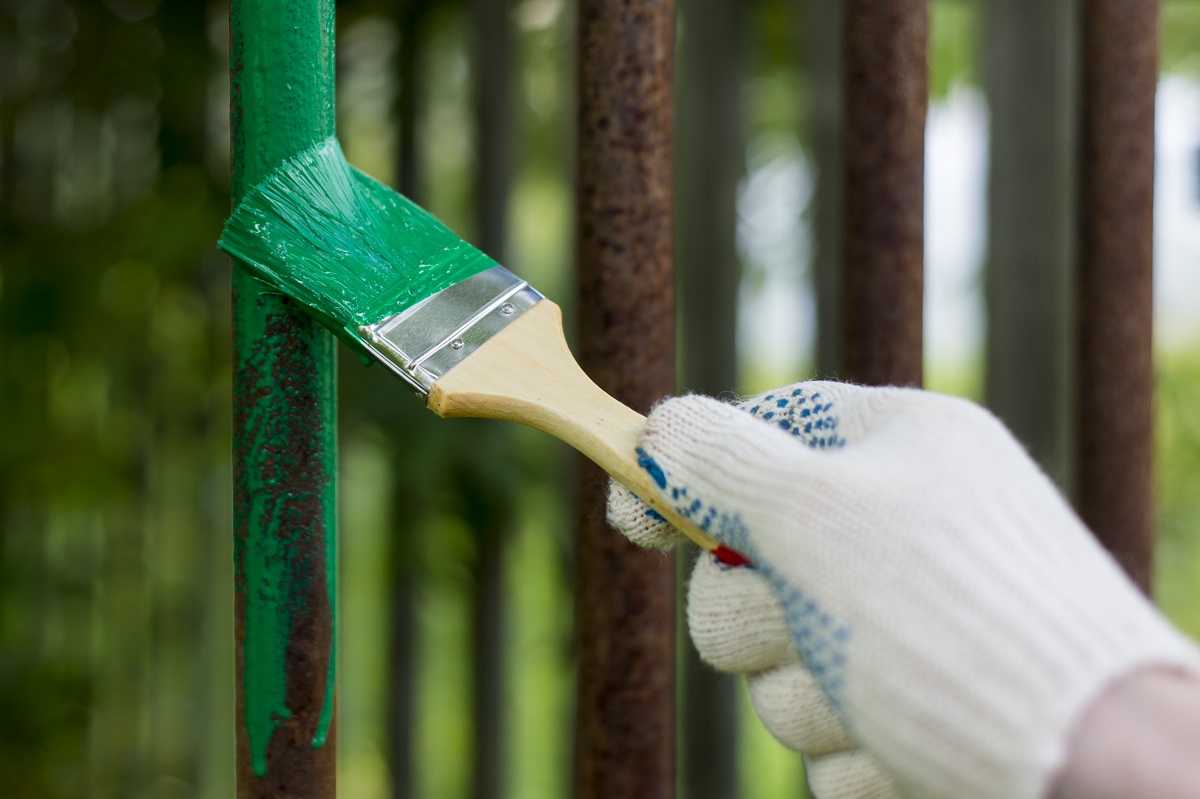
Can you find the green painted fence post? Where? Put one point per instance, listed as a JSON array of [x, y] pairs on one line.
[[284, 429]]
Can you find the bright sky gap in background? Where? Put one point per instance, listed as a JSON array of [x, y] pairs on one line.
[[777, 307]]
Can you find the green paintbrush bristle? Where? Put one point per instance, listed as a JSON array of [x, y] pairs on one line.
[[348, 247]]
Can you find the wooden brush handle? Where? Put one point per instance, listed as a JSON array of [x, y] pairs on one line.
[[526, 373]]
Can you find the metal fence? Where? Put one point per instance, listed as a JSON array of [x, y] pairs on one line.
[[869, 120]]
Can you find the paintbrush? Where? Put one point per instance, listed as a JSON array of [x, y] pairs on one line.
[[465, 334]]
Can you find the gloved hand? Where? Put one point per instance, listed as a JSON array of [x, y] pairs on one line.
[[955, 616]]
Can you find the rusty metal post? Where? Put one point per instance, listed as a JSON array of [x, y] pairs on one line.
[[883, 152], [625, 726], [284, 429], [1115, 379]]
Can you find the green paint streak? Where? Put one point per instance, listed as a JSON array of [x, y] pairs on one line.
[[282, 479], [346, 246], [282, 84], [329, 503]]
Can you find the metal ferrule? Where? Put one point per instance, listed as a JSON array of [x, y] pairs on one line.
[[430, 338]]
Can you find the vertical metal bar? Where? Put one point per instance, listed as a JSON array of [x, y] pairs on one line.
[[625, 743], [493, 179], [410, 16], [403, 620], [823, 51], [400, 696], [284, 439], [709, 156], [488, 673], [1119, 41], [884, 97], [1029, 56], [494, 122]]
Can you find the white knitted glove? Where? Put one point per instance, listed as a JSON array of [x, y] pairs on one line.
[[951, 608]]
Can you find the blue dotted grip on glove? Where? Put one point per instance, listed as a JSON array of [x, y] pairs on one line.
[[801, 414], [819, 638]]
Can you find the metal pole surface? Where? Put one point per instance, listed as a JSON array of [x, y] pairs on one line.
[[1030, 76], [494, 128], [625, 725], [400, 697], [710, 158], [710, 155], [823, 66], [883, 153], [284, 433], [1115, 394]]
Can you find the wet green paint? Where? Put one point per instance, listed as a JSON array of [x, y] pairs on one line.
[[284, 501], [282, 101], [346, 246]]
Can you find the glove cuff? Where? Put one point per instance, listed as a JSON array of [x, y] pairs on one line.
[[999, 725]]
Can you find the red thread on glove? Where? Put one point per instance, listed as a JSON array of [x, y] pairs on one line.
[[729, 557]]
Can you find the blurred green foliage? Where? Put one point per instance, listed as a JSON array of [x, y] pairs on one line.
[[1177, 435], [955, 39], [1180, 32], [113, 336]]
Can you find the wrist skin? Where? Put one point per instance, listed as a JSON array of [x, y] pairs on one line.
[[1140, 740]]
